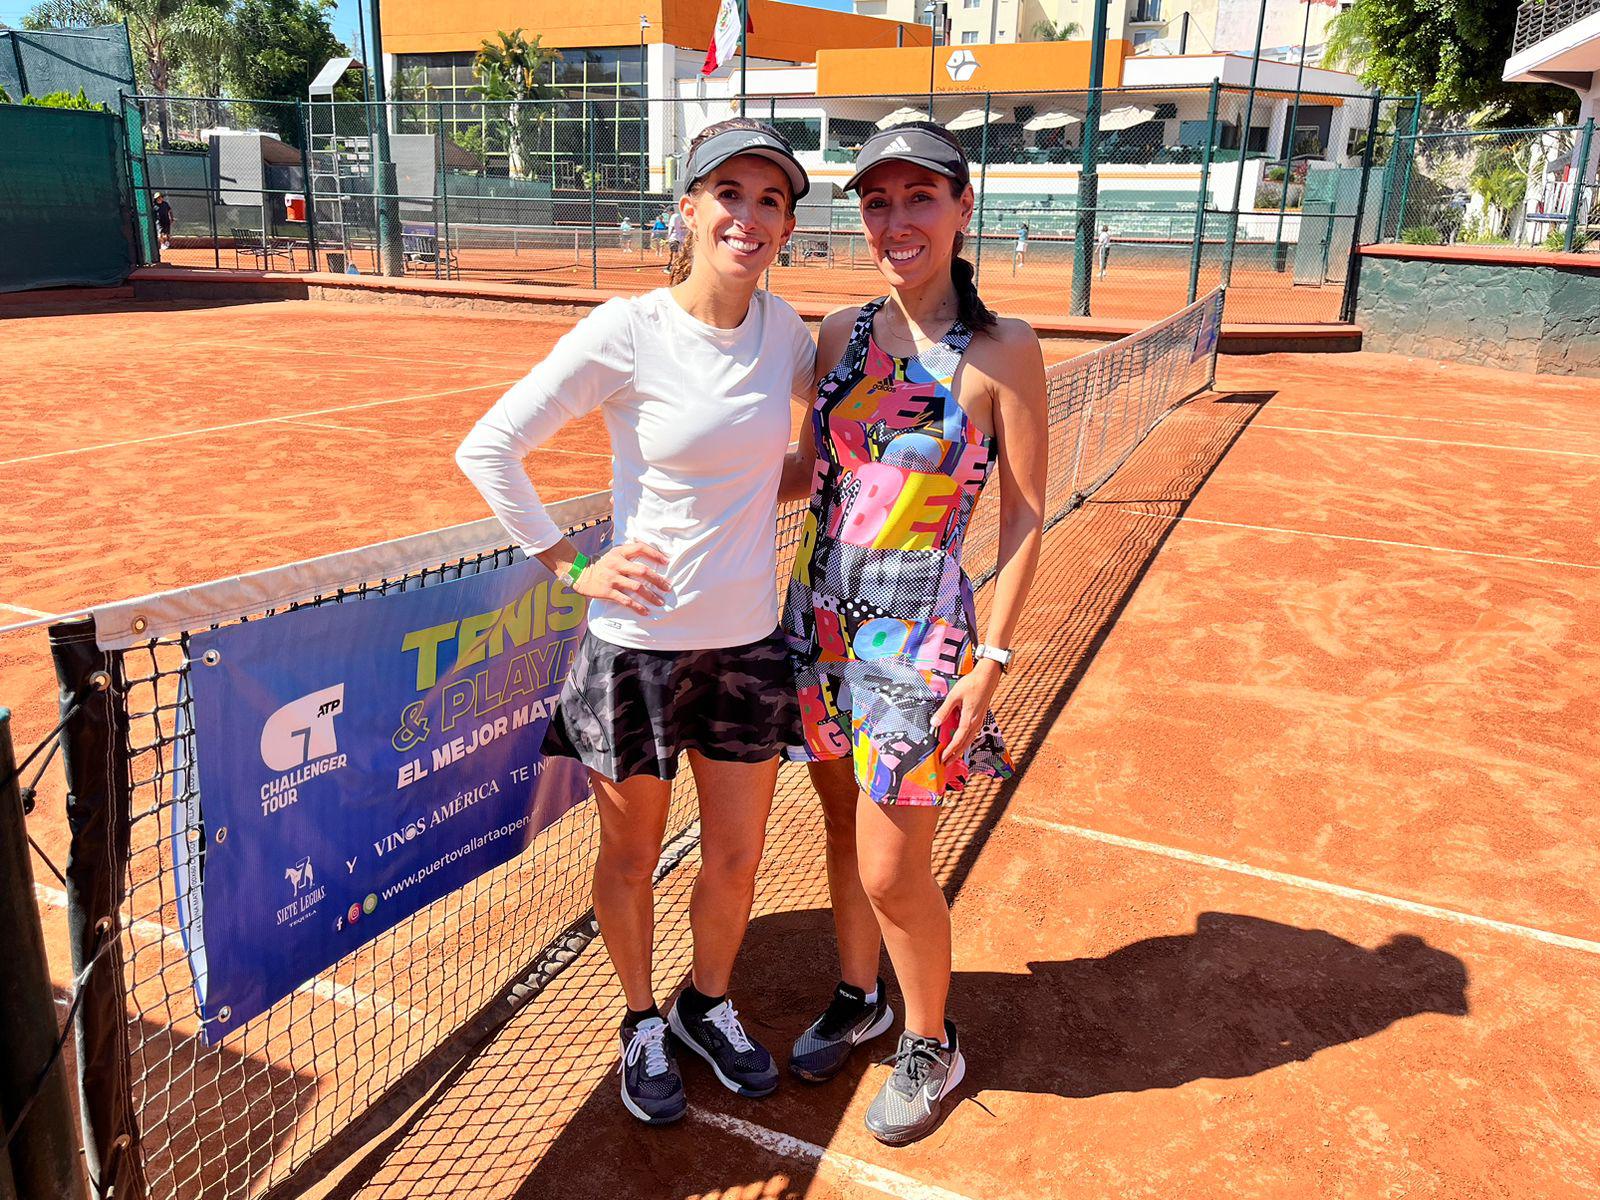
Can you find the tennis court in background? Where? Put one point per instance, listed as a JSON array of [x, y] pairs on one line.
[[1292, 896]]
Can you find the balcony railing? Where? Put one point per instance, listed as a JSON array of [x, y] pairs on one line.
[[1539, 19]]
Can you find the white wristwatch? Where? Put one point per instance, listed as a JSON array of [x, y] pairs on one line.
[[1003, 657]]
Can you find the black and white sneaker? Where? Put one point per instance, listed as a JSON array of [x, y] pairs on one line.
[[652, 1089], [908, 1105], [743, 1065], [821, 1051]]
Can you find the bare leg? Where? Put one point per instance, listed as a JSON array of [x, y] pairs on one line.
[[735, 798], [633, 817], [854, 922], [894, 846]]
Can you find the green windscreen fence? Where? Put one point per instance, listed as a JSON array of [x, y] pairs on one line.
[[64, 216], [95, 61]]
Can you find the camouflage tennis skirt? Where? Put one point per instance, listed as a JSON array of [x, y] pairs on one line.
[[626, 711]]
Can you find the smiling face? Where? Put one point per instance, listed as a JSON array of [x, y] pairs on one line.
[[740, 215], [911, 221]]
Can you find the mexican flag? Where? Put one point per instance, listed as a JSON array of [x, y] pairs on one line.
[[724, 36]]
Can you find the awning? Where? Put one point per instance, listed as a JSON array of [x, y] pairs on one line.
[[901, 116], [1126, 117], [973, 118], [1053, 120]]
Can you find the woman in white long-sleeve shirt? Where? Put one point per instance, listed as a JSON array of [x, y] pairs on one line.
[[682, 653]]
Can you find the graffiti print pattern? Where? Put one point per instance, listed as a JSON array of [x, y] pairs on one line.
[[879, 613]]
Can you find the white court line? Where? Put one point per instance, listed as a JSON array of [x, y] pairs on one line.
[[318, 412], [1317, 885], [1346, 537], [324, 989], [1398, 437], [28, 612], [395, 358], [842, 1167], [1485, 423], [423, 436]]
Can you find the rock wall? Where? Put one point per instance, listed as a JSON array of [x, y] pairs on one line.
[[1521, 316]]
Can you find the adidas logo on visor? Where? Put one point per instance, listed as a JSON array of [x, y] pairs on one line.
[[898, 146]]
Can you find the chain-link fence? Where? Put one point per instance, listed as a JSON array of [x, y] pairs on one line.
[[1176, 191], [1498, 187]]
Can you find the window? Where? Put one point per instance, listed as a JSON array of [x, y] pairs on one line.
[[803, 133], [969, 37], [971, 3], [1146, 11], [1144, 36]]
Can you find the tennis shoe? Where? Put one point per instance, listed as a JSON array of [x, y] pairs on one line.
[[652, 1089], [910, 1102], [742, 1064], [821, 1051]]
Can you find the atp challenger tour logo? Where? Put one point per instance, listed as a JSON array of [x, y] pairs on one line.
[[299, 741], [517, 660]]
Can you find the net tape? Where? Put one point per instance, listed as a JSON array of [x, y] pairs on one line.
[[238, 1119]]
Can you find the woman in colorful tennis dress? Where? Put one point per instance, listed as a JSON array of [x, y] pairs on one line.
[[683, 651], [931, 395]]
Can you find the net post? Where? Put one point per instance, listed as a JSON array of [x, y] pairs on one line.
[[983, 186], [1579, 175], [94, 752], [1202, 197], [594, 199], [1348, 305], [43, 1159], [305, 171]]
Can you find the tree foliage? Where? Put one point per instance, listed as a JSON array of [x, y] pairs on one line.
[[1450, 51], [516, 71], [1048, 31], [280, 47]]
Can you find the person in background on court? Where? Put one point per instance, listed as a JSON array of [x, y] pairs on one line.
[[624, 233], [163, 221], [1102, 249], [683, 652], [677, 232], [926, 395], [1021, 252], [658, 233]]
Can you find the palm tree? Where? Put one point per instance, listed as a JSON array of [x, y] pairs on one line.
[[515, 71], [1502, 184], [1048, 31]]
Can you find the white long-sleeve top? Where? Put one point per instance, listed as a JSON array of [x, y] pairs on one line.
[[699, 423]]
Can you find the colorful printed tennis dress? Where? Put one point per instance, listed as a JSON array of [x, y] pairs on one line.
[[879, 613]]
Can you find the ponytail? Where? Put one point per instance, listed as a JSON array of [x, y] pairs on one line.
[[970, 308]]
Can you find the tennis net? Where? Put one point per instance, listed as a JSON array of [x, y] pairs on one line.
[[172, 1110]]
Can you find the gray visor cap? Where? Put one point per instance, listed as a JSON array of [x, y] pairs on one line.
[[909, 144], [720, 147]]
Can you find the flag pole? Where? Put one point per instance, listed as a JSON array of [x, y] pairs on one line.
[[744, 50]]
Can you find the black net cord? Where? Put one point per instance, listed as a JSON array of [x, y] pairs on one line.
[[41, 1148], [94, 747]]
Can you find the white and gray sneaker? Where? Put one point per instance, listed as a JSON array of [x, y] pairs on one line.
[[909, 1104], [741, 1063], [652, 1089], [821, 1051]]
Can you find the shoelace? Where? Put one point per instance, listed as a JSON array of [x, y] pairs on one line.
[[651, 1045], [912, 1062], [726, 1018]]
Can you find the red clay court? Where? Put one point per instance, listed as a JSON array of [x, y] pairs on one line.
[[1294, 895]]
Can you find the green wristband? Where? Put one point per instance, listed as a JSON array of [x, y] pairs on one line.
[[577, 567]]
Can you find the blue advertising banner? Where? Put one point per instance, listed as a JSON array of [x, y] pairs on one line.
[[355, 762]]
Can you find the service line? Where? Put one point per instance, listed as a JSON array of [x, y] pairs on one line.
[[1434, 911], [843, 1167], [1371, 541], [317, 412]]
